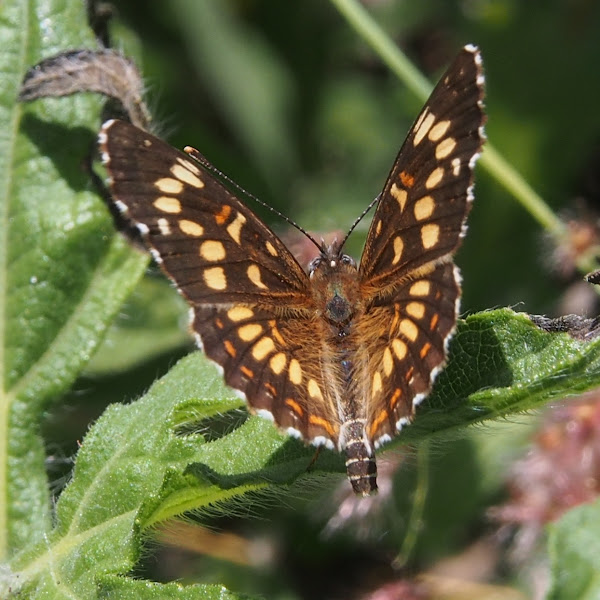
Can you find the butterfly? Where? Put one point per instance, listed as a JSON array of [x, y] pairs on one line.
[[340, 354]]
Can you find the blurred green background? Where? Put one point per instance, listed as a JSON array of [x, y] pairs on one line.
[[287, 100]]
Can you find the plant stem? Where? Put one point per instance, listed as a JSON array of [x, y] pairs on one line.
[[415, 520], [414, 80]]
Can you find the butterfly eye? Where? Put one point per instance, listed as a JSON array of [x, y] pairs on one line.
[[314, 265], [347, 260]]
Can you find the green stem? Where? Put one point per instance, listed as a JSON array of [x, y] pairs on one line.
[[415, 520], [531, 201], [492, 160], [385, 47]]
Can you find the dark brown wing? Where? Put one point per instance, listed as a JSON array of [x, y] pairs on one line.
[[213, 247], [251, 301], [421, 213], [410, 285], [418, 322]]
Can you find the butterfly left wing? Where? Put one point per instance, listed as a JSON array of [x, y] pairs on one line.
[[252, 309]]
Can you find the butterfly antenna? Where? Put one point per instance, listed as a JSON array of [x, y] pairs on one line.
[[200, 158], [360, 218]]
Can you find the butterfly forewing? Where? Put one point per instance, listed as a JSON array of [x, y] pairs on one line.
[[422, 210], [212, 245]]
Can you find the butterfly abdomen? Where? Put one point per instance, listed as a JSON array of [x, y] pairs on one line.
[[360, 460]]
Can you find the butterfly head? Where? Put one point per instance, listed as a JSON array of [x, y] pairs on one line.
[[331, 260]]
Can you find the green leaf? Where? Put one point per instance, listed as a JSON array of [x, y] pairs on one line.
[[574, 549], [63, 271], [500, 364], [119, 588], [152, 322], [134, 471], [130, 474]]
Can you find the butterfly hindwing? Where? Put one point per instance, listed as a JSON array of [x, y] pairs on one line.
[[418, 321], [276, 362]]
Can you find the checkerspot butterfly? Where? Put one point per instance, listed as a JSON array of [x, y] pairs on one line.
[[340, 354]]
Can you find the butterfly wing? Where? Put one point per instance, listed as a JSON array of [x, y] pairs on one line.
[[418, 321], [251, 301], [213, 247], [421, 213], [410, 285]]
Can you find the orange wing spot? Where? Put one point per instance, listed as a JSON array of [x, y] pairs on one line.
[[271, 389], [434, 321], [294, 406], [383, 415], [395, 397], [223, 215], [275, 333], [247, 372], [219, 323], [396, 318], [408, 375], [230, 348], [407, 179], [425, 350], [326, 425]]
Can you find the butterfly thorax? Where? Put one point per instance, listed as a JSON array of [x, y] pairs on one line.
[[336, 297], [335, 286]]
